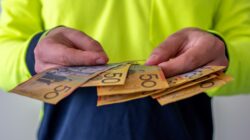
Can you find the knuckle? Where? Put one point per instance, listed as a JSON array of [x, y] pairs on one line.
[[218, 47], [94, 43], [41, 48], [65, 29], [220, 44], [174, 37], [77, 32], [71, 33], [46, 41], [74, 33], [58, 30]]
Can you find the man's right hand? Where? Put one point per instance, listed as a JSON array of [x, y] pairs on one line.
[[64, 46]]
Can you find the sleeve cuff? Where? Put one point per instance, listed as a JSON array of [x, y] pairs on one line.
[[30, 58]]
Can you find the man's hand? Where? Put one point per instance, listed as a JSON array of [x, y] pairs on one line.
[[187, 50], [67, 47]]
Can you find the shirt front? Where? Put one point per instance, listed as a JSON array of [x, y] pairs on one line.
[[129, 29]]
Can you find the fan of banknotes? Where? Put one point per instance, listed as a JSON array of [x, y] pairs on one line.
[[121, 82]]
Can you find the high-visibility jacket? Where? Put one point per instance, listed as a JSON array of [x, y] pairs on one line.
[[127, 29]]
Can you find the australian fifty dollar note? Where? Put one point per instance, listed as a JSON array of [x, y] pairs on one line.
[[53, 85]]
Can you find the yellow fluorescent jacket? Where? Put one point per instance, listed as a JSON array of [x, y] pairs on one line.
[[127, 29]]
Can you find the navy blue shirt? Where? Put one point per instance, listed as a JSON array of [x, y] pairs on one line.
[[78, 118]]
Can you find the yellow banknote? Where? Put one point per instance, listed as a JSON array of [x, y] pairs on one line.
[[193, 90], [140, 79], [190, 76], [55, 84], [114, 76], [119, 98], [185, 85]]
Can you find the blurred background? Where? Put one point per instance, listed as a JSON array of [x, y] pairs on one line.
[[19, 119]]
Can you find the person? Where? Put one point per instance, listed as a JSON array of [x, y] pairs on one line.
[[179, 36]]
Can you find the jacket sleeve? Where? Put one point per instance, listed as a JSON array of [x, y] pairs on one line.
[[232, 22], [20, 22]]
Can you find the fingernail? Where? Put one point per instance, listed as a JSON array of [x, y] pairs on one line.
[[100, 61], [151, 60]]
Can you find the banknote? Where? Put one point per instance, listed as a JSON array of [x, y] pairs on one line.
[[115, 76], [55, 84], [119, 82], [190, 76], [140, 79], [185, 85], [194, 90], [112, 99], [119, 98]]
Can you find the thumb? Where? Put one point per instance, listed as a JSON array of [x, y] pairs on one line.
[[166, 50], [68, 56]]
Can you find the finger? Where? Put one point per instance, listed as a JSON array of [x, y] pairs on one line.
[[166, 50], [70, 56], [184, 63], [82, 41]]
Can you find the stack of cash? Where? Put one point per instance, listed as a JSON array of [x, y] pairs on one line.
[[122, 82]]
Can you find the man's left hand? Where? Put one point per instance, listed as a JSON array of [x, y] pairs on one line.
[[187, 50]]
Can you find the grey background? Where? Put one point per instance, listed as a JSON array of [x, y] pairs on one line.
[[19, 118]]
